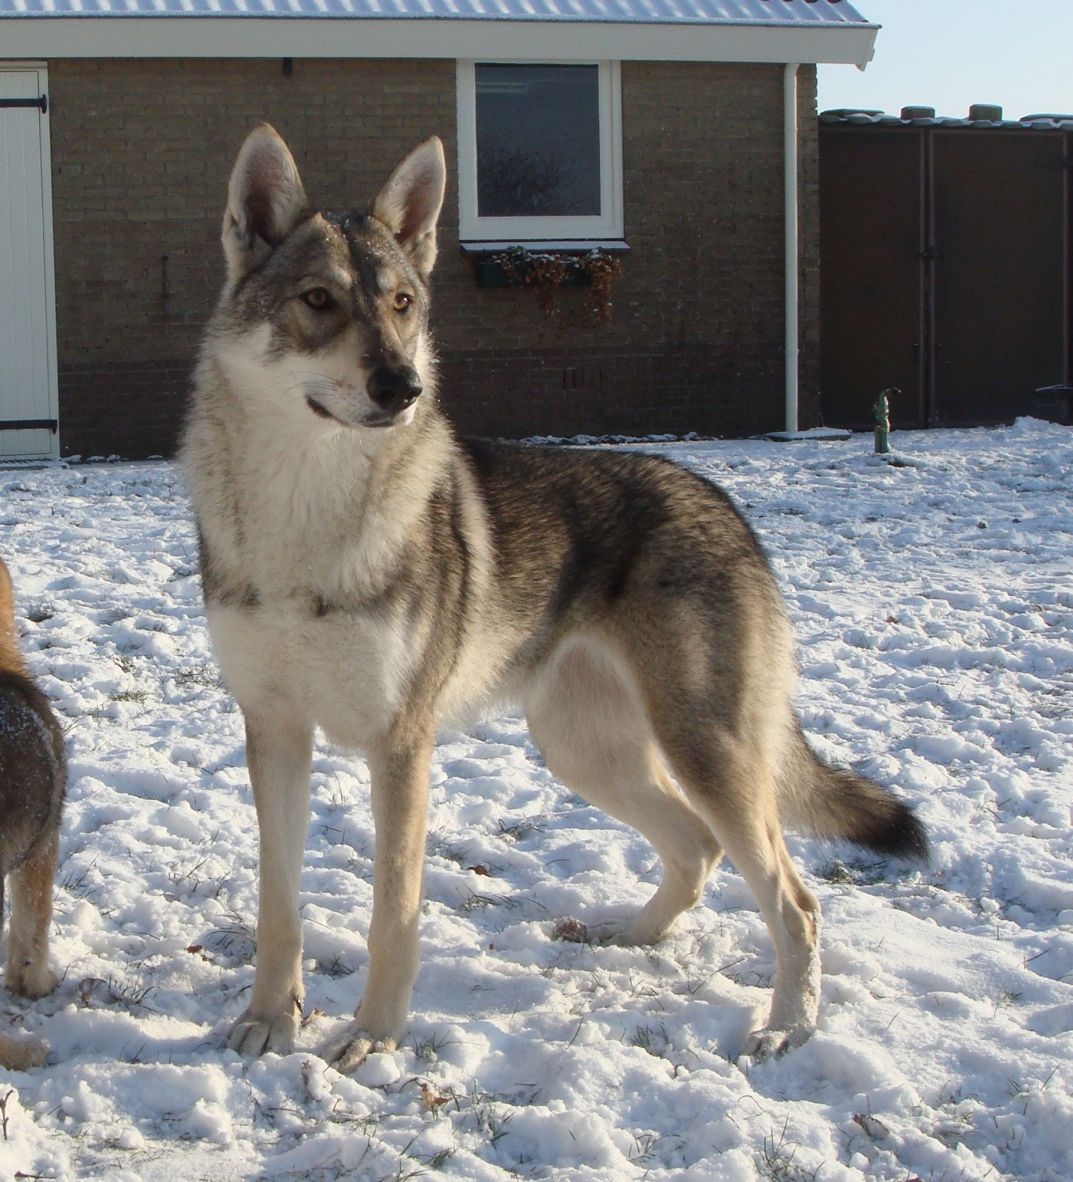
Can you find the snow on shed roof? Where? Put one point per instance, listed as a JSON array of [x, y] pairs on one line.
[[979, 117], [670, 30]]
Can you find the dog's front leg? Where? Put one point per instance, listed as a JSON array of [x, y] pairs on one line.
[[279, 753], [399, 769]]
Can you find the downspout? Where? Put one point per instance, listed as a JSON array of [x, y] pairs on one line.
[[791, 245]]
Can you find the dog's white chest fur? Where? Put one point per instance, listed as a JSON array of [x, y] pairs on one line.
[[303, 625], [343, 673]]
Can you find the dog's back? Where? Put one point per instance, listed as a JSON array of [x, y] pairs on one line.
[[32, 779]]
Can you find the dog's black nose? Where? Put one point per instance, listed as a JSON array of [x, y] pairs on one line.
[[393, 389]]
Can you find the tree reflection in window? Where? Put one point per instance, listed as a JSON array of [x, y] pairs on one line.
[[538, 140]]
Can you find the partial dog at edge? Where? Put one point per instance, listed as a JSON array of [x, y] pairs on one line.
[[367, 572], [32, 780]]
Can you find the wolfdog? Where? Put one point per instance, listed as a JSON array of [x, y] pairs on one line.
[[368, 572], [32, 780]]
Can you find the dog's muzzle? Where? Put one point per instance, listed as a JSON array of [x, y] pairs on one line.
[[393, 389]]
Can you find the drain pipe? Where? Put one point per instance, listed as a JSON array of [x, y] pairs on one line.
[[791, 246]]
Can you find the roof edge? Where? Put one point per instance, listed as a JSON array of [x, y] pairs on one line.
[[432, 37]]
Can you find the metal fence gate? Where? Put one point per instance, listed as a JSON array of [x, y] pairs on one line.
[[945, 270]]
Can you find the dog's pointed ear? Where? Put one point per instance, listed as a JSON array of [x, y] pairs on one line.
[[409, 204], [265, 200]]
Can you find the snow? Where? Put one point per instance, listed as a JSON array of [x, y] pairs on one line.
[[932, 596]]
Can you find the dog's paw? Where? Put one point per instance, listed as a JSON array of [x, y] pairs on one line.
[[254, 1036], [350, 1048], [30, 980], [627, 931], [20, 1054], [773, 1044]]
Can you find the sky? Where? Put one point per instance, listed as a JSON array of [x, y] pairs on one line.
[[948, 54]]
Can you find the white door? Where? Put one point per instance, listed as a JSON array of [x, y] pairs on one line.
[[28, 388]]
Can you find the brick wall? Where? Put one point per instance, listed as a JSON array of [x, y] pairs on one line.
[[141, 152], [696, 342]]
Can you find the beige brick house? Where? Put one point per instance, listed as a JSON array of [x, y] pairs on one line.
[[676, 135]]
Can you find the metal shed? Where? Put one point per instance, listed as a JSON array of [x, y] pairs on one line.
[[946, 264]]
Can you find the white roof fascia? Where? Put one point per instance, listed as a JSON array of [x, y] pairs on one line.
[[367, 37]]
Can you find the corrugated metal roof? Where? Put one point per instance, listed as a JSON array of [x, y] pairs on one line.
[[773, 13], [772, 31]]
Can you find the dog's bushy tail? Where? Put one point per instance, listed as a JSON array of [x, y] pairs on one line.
[[835, 802]]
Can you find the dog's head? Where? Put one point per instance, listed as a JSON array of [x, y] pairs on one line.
[[326, 316]]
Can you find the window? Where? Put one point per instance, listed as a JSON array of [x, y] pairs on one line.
[[539, 149]]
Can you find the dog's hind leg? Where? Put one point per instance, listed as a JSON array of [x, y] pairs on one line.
[[585, 718], [279, 753], [727, 781], [26, 968]]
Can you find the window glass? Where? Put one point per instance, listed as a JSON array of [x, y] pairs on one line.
[[538, 140], [539, 152]]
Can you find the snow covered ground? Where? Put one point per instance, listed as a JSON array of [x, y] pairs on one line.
[[933, 602]]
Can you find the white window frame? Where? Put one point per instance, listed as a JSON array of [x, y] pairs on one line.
[[583, 229]]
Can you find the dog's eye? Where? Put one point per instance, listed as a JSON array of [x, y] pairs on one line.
[[318, 298], [403, 302]]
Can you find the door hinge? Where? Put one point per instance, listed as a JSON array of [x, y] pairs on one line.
[[41, 103], [29, 425]]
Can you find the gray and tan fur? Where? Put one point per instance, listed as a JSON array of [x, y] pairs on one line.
[[32, 780], [367, 572]]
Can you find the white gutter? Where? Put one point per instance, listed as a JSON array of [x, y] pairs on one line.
[[791, 247]]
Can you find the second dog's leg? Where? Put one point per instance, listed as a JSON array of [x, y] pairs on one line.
[[26, 970], [399, 772], [279, 753]]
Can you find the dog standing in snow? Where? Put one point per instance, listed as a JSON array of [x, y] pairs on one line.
[[367, 572], [32, 780]]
